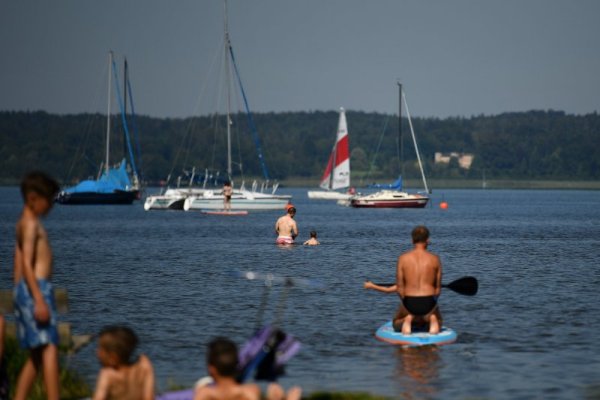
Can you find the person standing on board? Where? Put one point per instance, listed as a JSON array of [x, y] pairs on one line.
[[286, 227], [227, 192], [33, 293], [419, 283]]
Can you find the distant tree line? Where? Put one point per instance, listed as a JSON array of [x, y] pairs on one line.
[[525, 145]]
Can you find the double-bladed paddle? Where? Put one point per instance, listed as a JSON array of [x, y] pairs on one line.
[[467, 285]]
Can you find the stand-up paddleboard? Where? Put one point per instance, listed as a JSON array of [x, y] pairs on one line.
[[386, 333], [223, 212]]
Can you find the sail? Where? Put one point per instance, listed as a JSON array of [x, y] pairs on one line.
[[337, 173]]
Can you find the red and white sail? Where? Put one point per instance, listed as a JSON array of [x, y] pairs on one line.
[[337, 173]]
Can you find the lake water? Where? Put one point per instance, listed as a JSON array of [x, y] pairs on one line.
[[532, 331]]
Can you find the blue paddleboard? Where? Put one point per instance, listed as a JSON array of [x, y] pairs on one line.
[[386, 333]]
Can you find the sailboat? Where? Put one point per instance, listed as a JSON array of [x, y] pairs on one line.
[[337, 172], [241, 199], [114, 185], [174, 198], [394, 197]]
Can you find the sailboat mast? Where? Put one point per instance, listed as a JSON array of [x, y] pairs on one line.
[[107, 163], [412, 132], [125, 78], [228, 83], [400, 139]]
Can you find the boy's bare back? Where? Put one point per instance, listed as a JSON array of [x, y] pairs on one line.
[[237, 392], [131, 382]]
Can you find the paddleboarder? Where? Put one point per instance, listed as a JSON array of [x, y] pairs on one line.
[[227, 192], [418, 283]]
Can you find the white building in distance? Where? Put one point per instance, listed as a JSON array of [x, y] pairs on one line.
[[464, 159]]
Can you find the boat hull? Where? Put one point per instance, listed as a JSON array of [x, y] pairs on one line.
[[163, 203], [389, 199], [389, 203], [245, 201], [327, 195], [94, 198]]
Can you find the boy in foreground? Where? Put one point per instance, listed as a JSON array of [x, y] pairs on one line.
[[120, 377], [222, 363], [33, 294]]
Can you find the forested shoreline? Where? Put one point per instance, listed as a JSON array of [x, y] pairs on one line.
[[536, 145]]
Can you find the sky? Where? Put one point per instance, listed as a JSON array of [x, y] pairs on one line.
[[454, 57]]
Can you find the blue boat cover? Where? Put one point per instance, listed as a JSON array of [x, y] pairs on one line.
[[110, 181], [397, 185]]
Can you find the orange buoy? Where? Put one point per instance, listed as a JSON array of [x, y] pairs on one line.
[[443, 205]]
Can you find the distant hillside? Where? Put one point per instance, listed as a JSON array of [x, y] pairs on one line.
[[527, 145]]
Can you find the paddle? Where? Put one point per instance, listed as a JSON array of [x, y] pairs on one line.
[[467, 285]]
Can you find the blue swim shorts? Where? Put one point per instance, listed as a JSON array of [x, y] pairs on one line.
[[31, 333]]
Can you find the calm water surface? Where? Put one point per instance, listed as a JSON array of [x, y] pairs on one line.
[[531, 332]]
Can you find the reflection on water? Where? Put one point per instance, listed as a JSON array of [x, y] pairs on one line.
[[417, 369]]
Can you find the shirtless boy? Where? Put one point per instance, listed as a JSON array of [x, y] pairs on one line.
[[222, 363], [227, 192], [120, 378], [35, 310], [418, 283], [286, 227], [313, 239]]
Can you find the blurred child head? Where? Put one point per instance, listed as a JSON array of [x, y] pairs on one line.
[[38, 191], [222, 358], [116, 345]]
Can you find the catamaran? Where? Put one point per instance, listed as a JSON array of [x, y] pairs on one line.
[[337, 172], [394, 197], [114, 185], [241, 199]]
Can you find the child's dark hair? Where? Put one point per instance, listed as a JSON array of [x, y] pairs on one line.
[[121, 340], [223, 355], [313, 234], [40, 183]]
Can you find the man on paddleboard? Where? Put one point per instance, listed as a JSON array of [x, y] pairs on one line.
[[286, 227], [419, 283]]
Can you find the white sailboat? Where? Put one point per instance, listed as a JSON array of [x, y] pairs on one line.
[[396, 198], [241, 199], [337, 172], [173, 198]]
